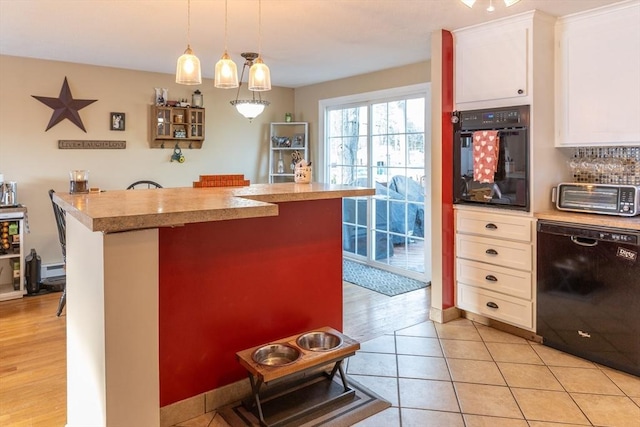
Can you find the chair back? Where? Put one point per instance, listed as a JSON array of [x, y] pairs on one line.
[[144, 184], [61, 222]]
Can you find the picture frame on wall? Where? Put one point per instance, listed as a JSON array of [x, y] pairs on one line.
[[116, 121]]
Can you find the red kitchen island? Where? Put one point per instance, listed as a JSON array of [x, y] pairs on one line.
[[164, 286]]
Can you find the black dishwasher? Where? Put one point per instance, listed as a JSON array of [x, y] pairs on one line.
[[588, 292]]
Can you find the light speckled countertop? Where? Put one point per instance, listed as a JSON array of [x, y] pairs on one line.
[[630, 223], [124, 210]]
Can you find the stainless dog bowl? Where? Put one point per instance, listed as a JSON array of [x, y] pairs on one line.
[[319, 341], [276, 355]]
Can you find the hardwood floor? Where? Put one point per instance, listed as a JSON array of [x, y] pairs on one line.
[[369, 314], [33, 347], [33, 370]]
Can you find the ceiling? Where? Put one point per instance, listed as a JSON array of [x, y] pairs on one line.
[[303, 41]]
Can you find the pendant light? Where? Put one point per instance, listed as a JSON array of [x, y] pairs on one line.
[[249, 108], [188, 67], [226, 72], [259, 74]]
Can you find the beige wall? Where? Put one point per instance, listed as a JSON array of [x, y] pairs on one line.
[[307, 98], [30, 156]]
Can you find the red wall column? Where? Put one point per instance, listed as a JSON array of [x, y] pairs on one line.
[[448, 238]]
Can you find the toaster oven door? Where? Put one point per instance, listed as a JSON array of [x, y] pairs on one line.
[[588, 198]]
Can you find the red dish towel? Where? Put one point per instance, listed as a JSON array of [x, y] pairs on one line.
[[486, 146]]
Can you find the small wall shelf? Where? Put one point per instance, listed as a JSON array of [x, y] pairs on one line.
[[181, 126]]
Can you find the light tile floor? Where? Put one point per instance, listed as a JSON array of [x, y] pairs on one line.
[[463, 374]]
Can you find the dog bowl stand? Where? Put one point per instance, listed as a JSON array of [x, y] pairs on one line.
[[296, 378]]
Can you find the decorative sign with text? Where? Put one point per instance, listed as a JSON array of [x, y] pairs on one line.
[[91, 145]]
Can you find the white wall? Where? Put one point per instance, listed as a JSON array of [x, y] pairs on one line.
[[30, 156]]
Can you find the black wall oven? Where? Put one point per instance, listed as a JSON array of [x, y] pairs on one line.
[[506, 183]]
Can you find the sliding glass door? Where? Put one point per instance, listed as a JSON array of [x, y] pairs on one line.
[[381, 144]]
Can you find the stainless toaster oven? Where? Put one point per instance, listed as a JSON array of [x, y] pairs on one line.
[[607, 199]]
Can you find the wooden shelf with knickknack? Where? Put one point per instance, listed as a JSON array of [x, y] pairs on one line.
[[181, 126]]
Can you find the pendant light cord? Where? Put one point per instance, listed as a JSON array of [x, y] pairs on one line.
[[225, 24], [259, 28], [188, 23]]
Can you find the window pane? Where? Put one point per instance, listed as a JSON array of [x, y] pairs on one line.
[[379, 117], [415, 115], [415, 146], [334, 123], [396, 119]]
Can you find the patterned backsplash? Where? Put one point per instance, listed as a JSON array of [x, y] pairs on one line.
[[605, 165]]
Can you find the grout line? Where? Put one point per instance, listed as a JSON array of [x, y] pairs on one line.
[[395, 348]]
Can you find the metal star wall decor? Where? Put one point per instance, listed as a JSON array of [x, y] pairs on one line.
[[65, 107]]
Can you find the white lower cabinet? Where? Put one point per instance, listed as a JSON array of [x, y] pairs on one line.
[[494, 278], [516, 311], [494, 251], [494, 266]]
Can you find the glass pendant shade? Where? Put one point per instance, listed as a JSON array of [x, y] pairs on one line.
[[250, 108], [469, 3], [188, 69], [226, 73], [259, 76]]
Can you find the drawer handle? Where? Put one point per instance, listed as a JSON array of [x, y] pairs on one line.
[[491, 252], [491, 278], [492, 304], [491, 226]]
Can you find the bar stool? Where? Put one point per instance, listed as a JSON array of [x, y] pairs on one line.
[[61, 222]]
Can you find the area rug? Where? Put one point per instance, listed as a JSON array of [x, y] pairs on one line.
[[363, 404], [378, 280]]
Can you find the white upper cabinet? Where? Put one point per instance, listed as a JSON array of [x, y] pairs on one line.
[[491, 62], [598, 77], [494, 62]]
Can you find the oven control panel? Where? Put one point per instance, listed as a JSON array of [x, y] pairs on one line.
[[497, 118]]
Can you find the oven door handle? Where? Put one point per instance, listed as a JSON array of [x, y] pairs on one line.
[[583, 241]]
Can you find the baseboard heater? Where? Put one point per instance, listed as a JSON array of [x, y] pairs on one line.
[[52, 270], [53, 276]]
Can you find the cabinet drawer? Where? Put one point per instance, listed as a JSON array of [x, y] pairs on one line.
[[493, 251], [496, 306], [492, 277], [494, 225]]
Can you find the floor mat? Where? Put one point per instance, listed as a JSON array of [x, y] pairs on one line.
[[363, 404], [378, 280]]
